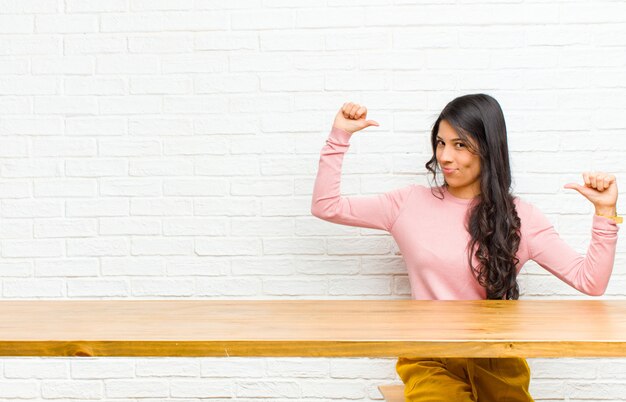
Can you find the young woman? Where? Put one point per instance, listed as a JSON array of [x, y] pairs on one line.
[[469, 237]]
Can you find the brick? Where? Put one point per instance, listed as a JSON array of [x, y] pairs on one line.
[[157, 5], [66, 65], [94, 43], [32, 288], [259, 62], [231, 166], [226, 41], [64, 227], [196, 145], [194, 104], [201, 389], [196, 64], [66, 23], [225, 125], [326, 265], [272, 166], [226, 207], [160, 85], [102, 369], [95, 6], [262, 266], [98, 207], [28, 86], [135, 389], [29, 45], [14, 105], [226, 246], [195, 187], [19, 389], [160, 206], [13, 147], [370, 40], [162, 287], [180, 367], [161, 246], [228, 287], [262, 19], [65, 188], [127, 64], [15, 189], [138, 104], [16, 269], [97, 288], [281, 41], [129, 226], [195, 227], [293, 246], [158, 43], [295, 287], [129, 147], [15, 24], [29, 368], [35, 208], [339, 17], [93, 86], [261, 227], [256, 389], [67, 267], [132, 266], [261, 187], [161, 167], [225, 83], [131, 187], [197, 266], [291, 83], [30, 6], [303, 368], [97, 247], [240, 367]]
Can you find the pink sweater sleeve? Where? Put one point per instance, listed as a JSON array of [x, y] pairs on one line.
[[376, 212], [590, 273]]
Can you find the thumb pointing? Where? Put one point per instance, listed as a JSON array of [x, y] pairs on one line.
[[372, 123], [573, 186]]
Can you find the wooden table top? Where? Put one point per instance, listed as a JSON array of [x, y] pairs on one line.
[[307, 328]]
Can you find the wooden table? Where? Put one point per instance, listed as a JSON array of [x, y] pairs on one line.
[[306, 328]]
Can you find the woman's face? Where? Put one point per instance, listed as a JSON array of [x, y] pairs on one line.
[[460, 167]]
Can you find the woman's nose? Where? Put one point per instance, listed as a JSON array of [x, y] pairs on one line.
[[446, 155]]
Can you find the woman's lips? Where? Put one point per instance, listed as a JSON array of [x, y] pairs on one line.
[[448, 171]]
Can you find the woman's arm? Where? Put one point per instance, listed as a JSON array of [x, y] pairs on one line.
[[590, 273], [377, 212]]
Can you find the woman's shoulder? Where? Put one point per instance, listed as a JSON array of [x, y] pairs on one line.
[[528, 213], [422, 191]]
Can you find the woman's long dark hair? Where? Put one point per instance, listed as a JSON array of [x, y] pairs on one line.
[[493, 222]]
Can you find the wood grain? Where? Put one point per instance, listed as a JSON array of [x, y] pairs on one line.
[[331, 328]]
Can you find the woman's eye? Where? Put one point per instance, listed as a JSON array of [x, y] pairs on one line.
[[460, 145]]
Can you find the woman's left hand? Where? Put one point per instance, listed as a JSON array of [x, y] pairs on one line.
[[601, 189]]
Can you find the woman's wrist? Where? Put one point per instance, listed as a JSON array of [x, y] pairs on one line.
[[606, 211]]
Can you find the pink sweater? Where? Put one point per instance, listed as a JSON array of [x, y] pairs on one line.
[[432, 238]]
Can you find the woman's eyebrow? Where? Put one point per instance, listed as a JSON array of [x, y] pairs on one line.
[[457, 139]]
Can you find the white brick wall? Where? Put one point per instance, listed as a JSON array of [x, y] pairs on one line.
[[167, 149]]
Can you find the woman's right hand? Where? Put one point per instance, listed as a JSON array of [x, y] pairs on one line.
[[352, 118]]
